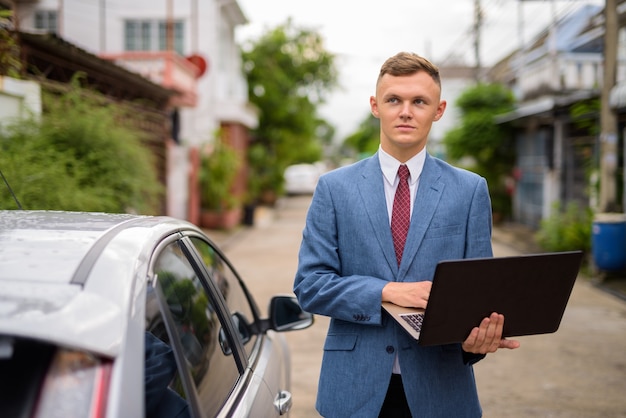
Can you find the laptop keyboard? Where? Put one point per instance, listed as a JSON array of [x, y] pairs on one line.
[[414, 320]]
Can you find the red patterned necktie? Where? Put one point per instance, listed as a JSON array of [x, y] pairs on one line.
[[401, 213]]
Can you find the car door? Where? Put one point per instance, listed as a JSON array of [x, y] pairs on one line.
[[182, 312], [265, 382], [198, 308]]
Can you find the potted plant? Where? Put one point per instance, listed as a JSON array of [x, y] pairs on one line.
[[221, 209], [265, 177]]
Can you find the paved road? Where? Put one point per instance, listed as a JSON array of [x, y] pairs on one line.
[[580, 371]]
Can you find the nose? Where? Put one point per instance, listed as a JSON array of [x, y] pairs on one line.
[[405, 112]]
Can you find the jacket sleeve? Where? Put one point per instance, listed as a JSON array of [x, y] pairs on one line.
[[320, 285], [478, 243]]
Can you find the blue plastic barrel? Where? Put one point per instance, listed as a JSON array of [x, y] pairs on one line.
[[609, 241]]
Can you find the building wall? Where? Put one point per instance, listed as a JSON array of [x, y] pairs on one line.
[[19, 99]]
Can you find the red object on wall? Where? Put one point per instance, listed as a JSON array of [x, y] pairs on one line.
[[199, 62]]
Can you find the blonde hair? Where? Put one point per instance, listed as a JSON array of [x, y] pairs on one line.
[[408, 63]]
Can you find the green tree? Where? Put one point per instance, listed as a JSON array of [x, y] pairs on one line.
[[289, 75], [366, 139], [486, 145], [83, 154]]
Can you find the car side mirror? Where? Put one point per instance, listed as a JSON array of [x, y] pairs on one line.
[[243, 329], [287, 315]]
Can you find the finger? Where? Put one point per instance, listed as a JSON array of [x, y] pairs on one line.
[[499, 320], [470, 341], [496, 325], [509, 344], [481, 336], [494, 333], [489, 335], [473, 337]]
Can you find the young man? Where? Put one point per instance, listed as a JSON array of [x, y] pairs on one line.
[[349, 264]]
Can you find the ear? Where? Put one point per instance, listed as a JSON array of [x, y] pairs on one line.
[[374, 107], [440, 109]]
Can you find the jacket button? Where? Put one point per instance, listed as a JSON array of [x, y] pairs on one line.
[[390, 349]]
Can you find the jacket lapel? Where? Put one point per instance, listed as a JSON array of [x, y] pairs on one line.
[[372, 192]]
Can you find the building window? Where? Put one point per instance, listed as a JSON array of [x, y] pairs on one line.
[[137, 36], [178, 36], [151, 35], [46, 20]]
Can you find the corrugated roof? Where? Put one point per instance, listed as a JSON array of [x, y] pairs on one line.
[[59, 60]]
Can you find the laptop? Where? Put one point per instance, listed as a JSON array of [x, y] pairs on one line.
[[531, 291]]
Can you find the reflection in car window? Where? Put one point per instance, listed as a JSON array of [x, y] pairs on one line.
[[197, 328], [163, 397], [228, 284]]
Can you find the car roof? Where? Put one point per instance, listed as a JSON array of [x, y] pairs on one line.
[[72, 277], [47, 246]]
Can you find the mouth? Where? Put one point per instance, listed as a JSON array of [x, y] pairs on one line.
[[405, 127]]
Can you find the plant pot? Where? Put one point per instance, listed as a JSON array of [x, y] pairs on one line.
[[224, 219], [268, 197], [248, 214]]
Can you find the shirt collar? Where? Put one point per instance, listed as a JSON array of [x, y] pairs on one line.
[[389, 165]]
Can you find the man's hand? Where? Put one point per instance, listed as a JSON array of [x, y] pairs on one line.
[[487, 338], [407, 294]]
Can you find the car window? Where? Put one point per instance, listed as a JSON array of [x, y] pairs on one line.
[[231, 289], [164, 395], [198, 330]]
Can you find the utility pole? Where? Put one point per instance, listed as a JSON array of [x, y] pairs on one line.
[[477, 27], [60, 18], [520, 24], [169, 26], [554, 56], [103, 23], [608, 121], [194, 26]]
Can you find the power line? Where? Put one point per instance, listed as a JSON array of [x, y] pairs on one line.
[[508, 37]]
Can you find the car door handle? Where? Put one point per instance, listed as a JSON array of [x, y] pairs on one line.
[[283, 402]]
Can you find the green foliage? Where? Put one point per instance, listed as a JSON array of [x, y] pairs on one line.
[[566, 230], [10, 64], [488, 146], [217, 174], [82, 155], [366, 139], [289, 74], [584, 115]]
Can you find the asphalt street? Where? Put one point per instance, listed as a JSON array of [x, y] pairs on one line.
[[579, 371]]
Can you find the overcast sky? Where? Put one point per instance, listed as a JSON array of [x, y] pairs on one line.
[[363, 33]]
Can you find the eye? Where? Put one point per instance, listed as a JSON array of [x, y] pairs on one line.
[[392, 100], [419, 101]]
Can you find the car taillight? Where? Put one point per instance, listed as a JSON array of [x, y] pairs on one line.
[[76, 385]]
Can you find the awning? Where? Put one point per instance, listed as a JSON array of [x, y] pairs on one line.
[[536, 107], [545, 105]]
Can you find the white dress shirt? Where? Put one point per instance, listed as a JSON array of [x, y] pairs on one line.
[[389, 165]]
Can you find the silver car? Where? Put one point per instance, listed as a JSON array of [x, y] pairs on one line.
[[107, 315]]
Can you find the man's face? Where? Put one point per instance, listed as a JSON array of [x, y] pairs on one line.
[[406, 106]]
